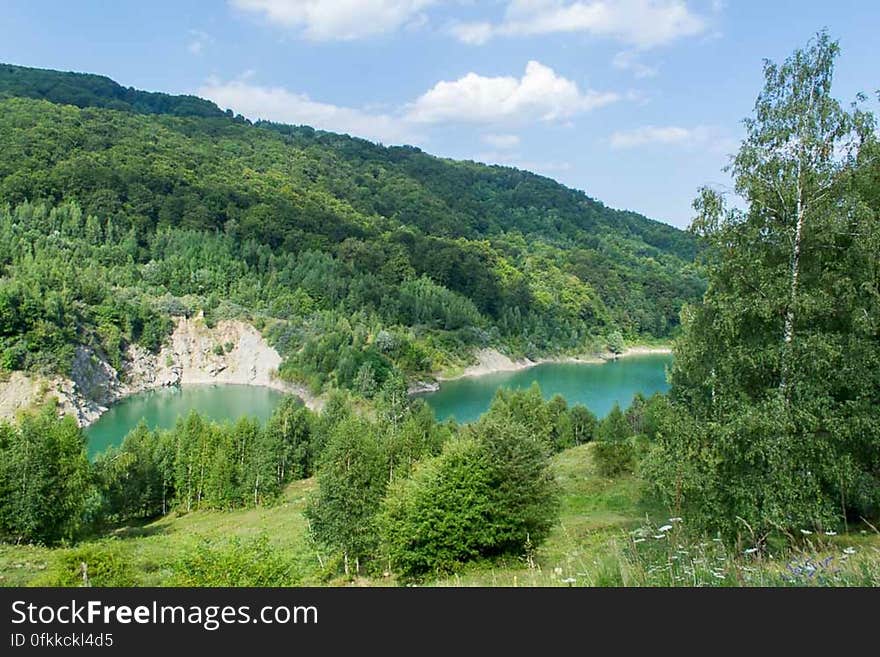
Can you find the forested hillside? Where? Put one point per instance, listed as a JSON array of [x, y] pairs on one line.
[[357, 257], [88, 90]]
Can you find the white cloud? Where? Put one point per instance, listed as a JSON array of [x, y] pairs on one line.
[[639, 23], [199, 41], [475, 34], [703, 137], [279, 104], [327, 20], [628, 60], [540, 94], [502, 142]]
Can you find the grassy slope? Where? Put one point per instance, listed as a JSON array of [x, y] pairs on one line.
[[586, 544]]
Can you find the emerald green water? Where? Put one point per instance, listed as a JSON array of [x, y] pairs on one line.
[[596, 386], [160, 408]]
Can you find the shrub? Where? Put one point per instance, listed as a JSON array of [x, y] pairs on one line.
[[489, 493], [104, 564], [614, 458], [235, 562]]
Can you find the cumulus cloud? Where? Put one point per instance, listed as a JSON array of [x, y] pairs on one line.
[[705, 137], [328, 20], [502, 142], [279, 104], [540, 94], [639, 23]]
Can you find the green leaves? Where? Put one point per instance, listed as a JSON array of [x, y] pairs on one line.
[[45, 483], [489, 492], [775, 376]]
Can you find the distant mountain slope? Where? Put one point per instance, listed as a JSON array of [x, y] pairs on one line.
[[336, 237], [88, 90]]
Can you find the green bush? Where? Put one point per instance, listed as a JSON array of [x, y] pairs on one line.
[[235, 562], [105, 564], [489, 493], [614, 458]]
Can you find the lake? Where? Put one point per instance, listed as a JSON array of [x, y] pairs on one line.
[[161, 408], [596, 386]]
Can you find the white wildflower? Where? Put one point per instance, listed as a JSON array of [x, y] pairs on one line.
[[806, 532], [665, 528], [830, 533], [849, 550]]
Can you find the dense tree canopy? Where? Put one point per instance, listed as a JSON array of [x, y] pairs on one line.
[[168, 206], [776, 375]]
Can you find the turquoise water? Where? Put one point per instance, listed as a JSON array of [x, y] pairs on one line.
[[160, 408], [596, 386]]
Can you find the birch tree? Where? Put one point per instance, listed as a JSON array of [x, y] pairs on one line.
[[798, 142], [775, 378]]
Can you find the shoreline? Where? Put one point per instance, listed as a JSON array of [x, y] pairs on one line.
[[310, 401], [492, 361], [231, 352]]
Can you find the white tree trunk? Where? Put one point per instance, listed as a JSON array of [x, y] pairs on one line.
[[788, 330]]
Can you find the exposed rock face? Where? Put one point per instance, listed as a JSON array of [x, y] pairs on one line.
[[231, 352], [422, 386]]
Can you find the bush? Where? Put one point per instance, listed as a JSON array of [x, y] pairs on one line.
[[105, 565], [236, 562], [488, 493], [614, 458]]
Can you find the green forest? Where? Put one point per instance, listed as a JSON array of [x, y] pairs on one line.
[[328, 242], [368, 265]]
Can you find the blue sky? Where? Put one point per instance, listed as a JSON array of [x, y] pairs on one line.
[[637, 102]]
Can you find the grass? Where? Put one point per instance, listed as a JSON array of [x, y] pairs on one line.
[[605, 537]]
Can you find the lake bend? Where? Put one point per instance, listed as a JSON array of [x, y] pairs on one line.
[[595, 385]]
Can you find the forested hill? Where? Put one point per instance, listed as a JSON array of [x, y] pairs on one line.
[[175, 206], [89, 90]]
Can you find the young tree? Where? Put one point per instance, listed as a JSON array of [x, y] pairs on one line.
[[44, 478], [351, 484], [583, 424]]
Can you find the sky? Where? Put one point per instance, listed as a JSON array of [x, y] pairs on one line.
[[636, 102]]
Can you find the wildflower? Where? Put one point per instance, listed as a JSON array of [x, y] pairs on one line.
[[676, 519], [665, 528], [830, 533], [849, 550], [806, 532], [569, 580]]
